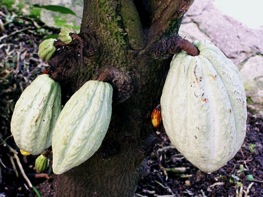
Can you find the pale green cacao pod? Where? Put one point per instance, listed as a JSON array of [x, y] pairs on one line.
[[82, 125], [64, 35], [41, 163], [35, 115], [204, 107], [46, 49]]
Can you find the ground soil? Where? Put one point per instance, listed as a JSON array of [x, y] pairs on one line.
[[165, 172], [169, 173]]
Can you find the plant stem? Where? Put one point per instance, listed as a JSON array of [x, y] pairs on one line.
[[188, 47]]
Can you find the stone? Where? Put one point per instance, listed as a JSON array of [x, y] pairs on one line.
[[240, 43], [252, 74], [191, 32], [236, 40]]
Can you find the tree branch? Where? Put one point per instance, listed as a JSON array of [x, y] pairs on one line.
[[172, 45], [167, 14], [121, 82], [132, 24]]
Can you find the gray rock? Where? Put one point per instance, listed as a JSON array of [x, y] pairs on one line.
[[252, 74], [241, 44]]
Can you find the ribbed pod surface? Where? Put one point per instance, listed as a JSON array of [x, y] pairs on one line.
[[82, 125], [35, 115], [204, 107]]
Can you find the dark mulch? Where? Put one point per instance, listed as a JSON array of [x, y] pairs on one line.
[[169, 173], [166, 171]]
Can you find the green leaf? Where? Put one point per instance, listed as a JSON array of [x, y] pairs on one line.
[[35, 12], [60, 21], [235, 177], [51, 36], [252, 147], [250, 177], [239, 184], [56, 8], [36, 191], [241, 168], [8, 3]]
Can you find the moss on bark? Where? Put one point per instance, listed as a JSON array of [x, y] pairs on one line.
[[114, 37]]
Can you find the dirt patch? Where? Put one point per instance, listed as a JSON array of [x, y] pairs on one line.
[[169, 173]]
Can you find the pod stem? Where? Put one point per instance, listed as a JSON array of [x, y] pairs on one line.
[[121, 82], [188, 47], [106, 75], [172, 45]]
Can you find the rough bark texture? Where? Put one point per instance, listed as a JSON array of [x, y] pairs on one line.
[[128, 44]]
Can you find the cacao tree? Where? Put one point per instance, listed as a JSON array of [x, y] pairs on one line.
[[129, 44]]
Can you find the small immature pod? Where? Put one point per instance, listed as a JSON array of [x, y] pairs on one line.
[[156, 117]]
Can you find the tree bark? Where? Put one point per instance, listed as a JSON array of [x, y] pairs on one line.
[[128, 43]]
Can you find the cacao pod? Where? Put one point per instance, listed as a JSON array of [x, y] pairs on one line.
[[41, 163], [35, 114], [156, 117], [64, 35], [82, 125], [46, 49], [204, 107], [24, 153]]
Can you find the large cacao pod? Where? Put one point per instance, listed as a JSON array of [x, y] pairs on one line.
[[35, 115], [204, 107], [82, 125]]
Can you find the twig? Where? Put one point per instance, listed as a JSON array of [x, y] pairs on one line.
[[165, 148], [18, 162], [139, 195], [186, 176], [3, 37], [165, 187], [257, 181], [9, 147], [42, 175], [164, 171], [22, 171], [216, 184], [203, 193], [2, 28], [25, 185], [1, 162], [13, 33], [177, 170], [14, 165], [240, 192], [148, 191], [248, 188]]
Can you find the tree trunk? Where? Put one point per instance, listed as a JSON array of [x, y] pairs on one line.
[[128, 44]]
